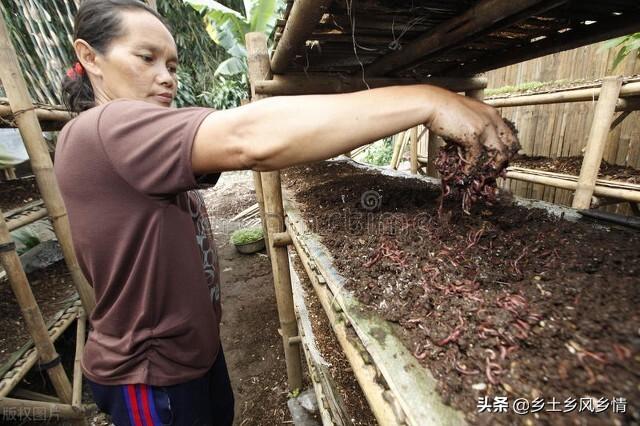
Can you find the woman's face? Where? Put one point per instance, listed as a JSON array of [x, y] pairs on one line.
[[140, 64]]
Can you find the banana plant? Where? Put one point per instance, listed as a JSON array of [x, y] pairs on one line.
[[627, 44], [227, 28]]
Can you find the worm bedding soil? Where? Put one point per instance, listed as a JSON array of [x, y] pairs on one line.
[[505, 302]]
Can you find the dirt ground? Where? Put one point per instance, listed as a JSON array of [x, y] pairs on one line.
[[505, 302], [252, 345]]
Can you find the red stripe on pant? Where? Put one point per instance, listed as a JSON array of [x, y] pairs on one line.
[[135, 411], [144, 392]]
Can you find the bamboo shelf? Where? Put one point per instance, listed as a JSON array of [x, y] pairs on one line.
[[398, 389], [25, 215], [14, 370]]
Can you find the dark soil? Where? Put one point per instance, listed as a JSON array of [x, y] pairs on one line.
[[347, 386], [52, 288], [571, 166], [506, 301], [18, 192]]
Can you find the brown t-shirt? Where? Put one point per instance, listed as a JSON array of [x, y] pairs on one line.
[[143, 241]]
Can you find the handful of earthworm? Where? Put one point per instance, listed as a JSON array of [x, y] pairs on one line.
[[478, 183]]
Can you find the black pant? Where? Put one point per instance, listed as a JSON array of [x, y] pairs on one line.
[[205, 401]]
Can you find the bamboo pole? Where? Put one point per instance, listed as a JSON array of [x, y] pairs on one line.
[[31, 313], [397, 148], [599, 190], [259, 69], [323, 84], [578, 95], [433, 147], [40, 409], [483, 15], [28, 218], [16, 89], [42, 113], [363, 370], [76, 399], [602, 118], [304, 16], [414, 150]]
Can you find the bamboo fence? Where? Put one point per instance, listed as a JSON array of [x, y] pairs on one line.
[[562, 130]]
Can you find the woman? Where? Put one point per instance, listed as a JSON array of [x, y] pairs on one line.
[[127, 166]]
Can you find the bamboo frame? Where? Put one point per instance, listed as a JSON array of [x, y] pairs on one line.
[[598, 190], [485, 14], [27, 121], [81, 330], [259, 69], [571, 95], [303, 17], [602, 119], [22, 365], [31, 313], [414, 150], [359, 360], [295, 84], [433, 146], [25, 215], [330, 403], [48, 410], [43, 114]]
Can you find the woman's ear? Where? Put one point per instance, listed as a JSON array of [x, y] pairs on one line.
[[87, 57]]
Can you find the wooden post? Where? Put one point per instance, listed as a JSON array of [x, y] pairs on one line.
[[433, 147], [259, 69], [602, 118], [27, 121], [81, 332], [414, 150], [32, 315], [257, 185]]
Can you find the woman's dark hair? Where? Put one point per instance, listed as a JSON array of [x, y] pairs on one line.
[[98, 22]]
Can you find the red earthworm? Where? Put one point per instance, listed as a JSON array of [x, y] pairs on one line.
[[455, 334], [622, 352], [462, 370], [491, 369]]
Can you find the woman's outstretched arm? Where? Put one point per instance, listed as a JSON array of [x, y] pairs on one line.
[[278, 132]]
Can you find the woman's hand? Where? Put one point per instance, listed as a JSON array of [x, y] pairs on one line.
[[473, 125]]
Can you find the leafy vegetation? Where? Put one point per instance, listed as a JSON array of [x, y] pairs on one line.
[[379, 153], [246, 236], [227, 23], [625, 45]]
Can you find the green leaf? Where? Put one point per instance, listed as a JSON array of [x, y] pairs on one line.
[[231, 66], [262, 16], [214, 6]]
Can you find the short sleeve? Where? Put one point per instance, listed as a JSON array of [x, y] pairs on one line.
[[150, 146]]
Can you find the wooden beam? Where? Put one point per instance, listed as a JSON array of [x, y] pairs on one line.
[[579, 35], [602, 118], [303, 18], [325, 84], [274, 215], [485, 15], [25, 117]]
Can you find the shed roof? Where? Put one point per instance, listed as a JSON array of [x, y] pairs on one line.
[[421, 38]]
